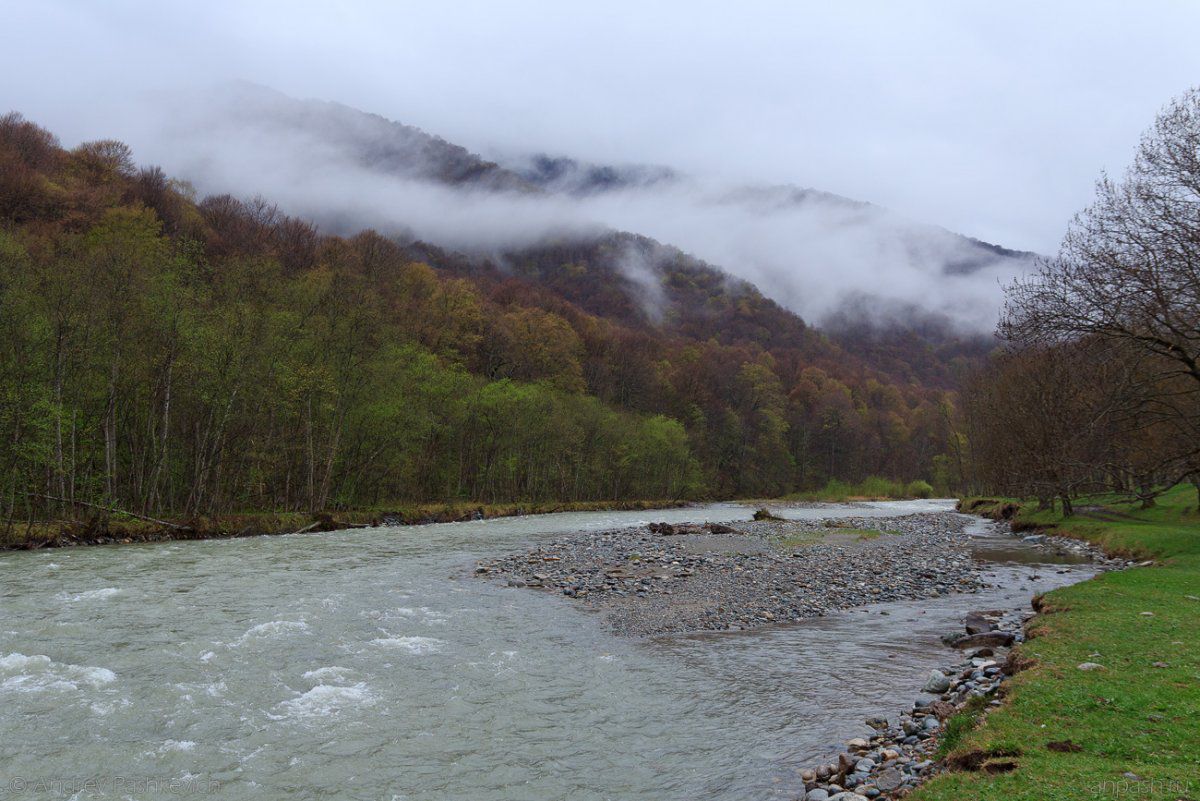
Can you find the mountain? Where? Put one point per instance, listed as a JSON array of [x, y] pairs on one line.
[[208, 354], [795, 243]]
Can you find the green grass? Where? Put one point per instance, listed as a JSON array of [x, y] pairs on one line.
[[1129, 717], [873, 488]]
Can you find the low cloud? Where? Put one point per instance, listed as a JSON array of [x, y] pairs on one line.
[[810, 251]]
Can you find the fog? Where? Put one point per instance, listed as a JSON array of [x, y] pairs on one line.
[[990, 121]]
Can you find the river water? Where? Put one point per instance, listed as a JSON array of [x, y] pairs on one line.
[[369, 664]]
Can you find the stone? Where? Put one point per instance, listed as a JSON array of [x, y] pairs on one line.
[[888, 779], [817, 794], [858, 744], [942, 709], [989, 639], [808, 776], [979, 622], [936, 683], [1090, 666]]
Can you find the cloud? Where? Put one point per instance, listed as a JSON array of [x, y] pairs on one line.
[[989, 120]]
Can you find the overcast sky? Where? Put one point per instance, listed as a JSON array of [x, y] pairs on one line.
[[992, 119]]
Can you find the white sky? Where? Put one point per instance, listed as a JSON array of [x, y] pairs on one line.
[[991, 119]]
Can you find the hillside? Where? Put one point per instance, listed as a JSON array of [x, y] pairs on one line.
[[176, 354]]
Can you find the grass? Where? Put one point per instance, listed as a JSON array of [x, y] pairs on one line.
[[873, 488], [1132, 716]]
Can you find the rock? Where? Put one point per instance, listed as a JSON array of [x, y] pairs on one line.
[[864, 765], [847, 796], [888, 779], [982, 652], [808, 776], [936, 683], [858, 744], [817, 794], [987, 638], [979, 622], [845, 763], [941, 709], [1090, 666], [931, 724], [879, 724], [718, 528]]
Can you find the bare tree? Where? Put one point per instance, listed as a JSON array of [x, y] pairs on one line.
[[1128, 273], [1129, 268]]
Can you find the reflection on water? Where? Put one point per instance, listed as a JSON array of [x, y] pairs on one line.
[[367, 664]]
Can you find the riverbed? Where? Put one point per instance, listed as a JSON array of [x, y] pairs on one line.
[[370, 664]]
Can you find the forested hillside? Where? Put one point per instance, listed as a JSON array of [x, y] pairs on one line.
[[167, 353]]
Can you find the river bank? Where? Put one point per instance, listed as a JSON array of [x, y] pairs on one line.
[[110, 527], [1107, 703]]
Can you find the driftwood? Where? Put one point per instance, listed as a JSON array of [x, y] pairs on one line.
[[109, 509]]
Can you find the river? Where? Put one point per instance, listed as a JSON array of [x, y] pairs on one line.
[[369, 664]]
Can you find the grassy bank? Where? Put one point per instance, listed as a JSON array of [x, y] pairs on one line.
[[105, 529], [1134, 717], [873, 488]]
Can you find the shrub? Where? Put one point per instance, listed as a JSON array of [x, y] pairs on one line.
[[919, 489]]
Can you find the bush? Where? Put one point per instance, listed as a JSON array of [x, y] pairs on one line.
[[919, 489]]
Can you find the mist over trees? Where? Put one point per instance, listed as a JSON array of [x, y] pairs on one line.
[[1100, 387], [169, 355]]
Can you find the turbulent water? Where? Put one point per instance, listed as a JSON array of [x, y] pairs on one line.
[[370, 664]]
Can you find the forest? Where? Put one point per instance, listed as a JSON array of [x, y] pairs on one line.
[[1097, 388], [169, 354]]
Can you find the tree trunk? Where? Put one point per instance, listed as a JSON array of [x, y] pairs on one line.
[[1068, 509]]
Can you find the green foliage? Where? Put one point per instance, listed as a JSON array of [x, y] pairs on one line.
[[171, 357], [919, 489], [870, 488]]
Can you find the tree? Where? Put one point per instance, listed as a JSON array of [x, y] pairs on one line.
[[1128, 274]]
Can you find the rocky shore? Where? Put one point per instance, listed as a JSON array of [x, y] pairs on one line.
[[903, 752], [664, 579]]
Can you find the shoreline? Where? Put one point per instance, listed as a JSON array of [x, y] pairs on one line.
[[120, 530]]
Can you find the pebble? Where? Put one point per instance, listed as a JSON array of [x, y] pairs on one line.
[[697, 578]]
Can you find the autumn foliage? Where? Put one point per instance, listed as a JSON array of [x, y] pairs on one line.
[[166, 354]]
